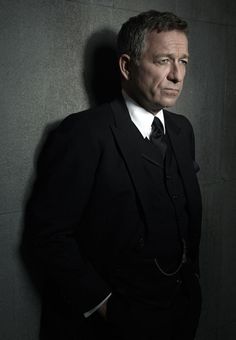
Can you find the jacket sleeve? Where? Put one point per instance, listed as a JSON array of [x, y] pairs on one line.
[[64, 181]]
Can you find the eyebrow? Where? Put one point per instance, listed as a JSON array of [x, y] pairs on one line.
[[185, 56]]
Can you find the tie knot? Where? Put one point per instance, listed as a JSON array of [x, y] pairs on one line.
[[157, 127]]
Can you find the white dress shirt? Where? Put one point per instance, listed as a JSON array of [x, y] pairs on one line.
[[142, 118]]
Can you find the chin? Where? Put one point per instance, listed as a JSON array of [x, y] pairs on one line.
[[169, 103], [166, 102]]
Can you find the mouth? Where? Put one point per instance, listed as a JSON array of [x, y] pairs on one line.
[[170, 91]]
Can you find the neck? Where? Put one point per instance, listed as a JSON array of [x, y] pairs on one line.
[[142, 103]]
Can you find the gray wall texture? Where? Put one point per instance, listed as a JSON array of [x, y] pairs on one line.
[[45, 59]]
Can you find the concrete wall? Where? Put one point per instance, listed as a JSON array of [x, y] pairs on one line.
[[46, 60]]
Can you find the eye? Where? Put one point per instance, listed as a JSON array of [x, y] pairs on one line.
[[163, 61], [184, 61]]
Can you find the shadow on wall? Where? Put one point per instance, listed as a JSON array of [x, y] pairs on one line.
[[101, 71], [102, 83]]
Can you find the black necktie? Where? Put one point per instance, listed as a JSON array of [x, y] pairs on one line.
[[157, 135]]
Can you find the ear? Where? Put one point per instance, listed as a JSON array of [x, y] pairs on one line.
[[124, 64]]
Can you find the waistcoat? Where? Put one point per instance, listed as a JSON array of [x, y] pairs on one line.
[[168, 231]]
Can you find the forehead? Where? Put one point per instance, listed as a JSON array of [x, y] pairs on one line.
[[166, 42]]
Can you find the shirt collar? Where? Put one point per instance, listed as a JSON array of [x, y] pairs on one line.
[[141, 117]]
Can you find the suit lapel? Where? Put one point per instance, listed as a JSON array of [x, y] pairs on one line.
[[130, 143], [185, 164]]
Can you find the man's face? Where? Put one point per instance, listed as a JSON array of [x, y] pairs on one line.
[[155, 81]]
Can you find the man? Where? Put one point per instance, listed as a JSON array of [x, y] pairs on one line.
[[114, 217]]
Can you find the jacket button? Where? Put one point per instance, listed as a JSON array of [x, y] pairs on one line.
[[175, 197]]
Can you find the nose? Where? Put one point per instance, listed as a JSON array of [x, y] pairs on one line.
[[176, 73]]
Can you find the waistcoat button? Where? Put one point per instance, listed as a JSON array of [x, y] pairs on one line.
[[140, 244]]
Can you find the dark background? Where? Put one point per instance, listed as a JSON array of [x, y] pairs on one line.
[[55, 60]]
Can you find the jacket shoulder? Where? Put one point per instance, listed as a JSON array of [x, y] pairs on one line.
[[179, 119], [87, 119]]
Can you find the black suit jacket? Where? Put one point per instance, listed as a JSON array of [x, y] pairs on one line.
[[90, 201]]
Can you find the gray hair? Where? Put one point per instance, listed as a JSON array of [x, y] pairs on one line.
[[131, 38]]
